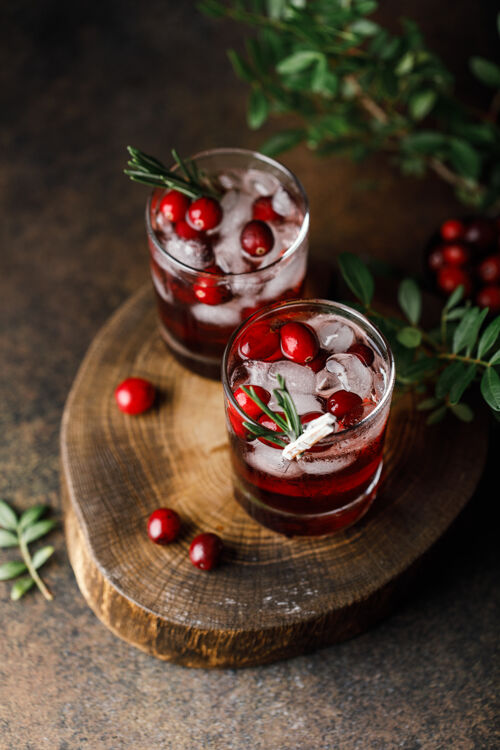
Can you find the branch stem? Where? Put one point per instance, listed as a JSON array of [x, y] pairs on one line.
[[29, 564]]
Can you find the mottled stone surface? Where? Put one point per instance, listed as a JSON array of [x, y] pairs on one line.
[[78, 82]]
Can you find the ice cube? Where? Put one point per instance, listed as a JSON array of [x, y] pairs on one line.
[[353, 374], [228, 314], [288, 275], [163, 289], [283, 203], [327, 383], [304, 402], [270, 460], [230, 180], [315, 463], [228, 255], [192, 253], [285, 235], [298, 378], [257, 182], [334, 336], [257, 373], [379, 385]]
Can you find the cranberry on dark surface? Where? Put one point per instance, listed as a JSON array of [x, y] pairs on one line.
[[298, 342], [452, 230], [247, 404], [489, 296], [489, 269], [363, 353], [263, 210], [480, 232], [450, 277], [205, 213], [435, 259], [186, 232], [205, 551], [270, 424], [256, 238], [174, 205], [260, 342], [211, 292], [163, 526], [341, 403], [135, 395], [455, 254]]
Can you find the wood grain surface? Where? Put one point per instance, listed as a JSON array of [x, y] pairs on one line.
[[272, 597]]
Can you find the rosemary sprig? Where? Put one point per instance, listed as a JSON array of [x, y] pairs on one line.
[[188, 180], [291, 426], [20, 532]]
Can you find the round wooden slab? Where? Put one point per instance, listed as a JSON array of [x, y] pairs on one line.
[[272, 597]]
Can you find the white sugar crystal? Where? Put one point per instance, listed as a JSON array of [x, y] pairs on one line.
[[282, 202], [353, 374]]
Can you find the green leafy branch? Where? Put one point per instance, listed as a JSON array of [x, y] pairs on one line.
[[21, 532], [357, 89], [291, 425], [149, 171], [443, 362]]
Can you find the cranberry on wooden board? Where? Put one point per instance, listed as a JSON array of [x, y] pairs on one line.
[[205, 551], [260, 342], [174, 205], [298, 342], [455, 254], [341, 403], [489, 269], [211, 292], [135, 395], [163, 526], [452, 230], [205, 213], [263, 210], [489, 296], [185, 231], [363, 353], [256, 238], [450, 277]]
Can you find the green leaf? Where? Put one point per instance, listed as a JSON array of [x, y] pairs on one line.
[[21, 587], [456, 314], [275, 8], [447, 378], [364, 27], [422, 103], [465, 158], [240, 66], [409, 337], [282, 141], [486, 71], [12, 569], [38, 530], [424, 142], [258, 109], [428, 403], [8, 539], [488, 338], [41, 556], [410, 300], [490, 388], [462, 381], [8, 518], [298, 61], [31, 515], [357, 277], [495, 359], [463, 412], [455, 297], [436, 416], [467, 330], [405, 64]]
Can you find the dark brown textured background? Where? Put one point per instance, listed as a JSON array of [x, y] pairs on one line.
[[78, 82]]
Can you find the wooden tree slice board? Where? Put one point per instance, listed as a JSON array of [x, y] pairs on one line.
[[272, 597]]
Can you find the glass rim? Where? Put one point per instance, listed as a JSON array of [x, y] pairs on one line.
[[338, 306], [304, 227]]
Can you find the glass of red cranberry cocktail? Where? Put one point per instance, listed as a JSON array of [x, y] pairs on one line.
[[216, 259], [337, 370]]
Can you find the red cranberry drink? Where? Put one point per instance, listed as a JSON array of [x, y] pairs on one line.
[[308, 388], [217, 258]]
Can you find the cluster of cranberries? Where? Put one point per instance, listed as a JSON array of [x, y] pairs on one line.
[[298, 343], [467, 252], [135, 396]]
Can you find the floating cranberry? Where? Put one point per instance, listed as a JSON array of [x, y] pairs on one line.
[[205, 213], [205, 551], [363, 353], [186, 232], [135, 395], [435, 259], [480, 233], [256, 238], [174, 205], [306, 418], [450, 277], [489, 296], [163, 526], [298, 342], [455, 255], [260, 342], [489, 269], [211, 291], [354, 416], [341, 403], [452, 230], [247, 404], [318, 362], [270, 424], [263, 210]]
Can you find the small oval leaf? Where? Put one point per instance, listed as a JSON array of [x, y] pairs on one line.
[[38, 530], [410, 300], [488, 338], [8, 518], [31, 515], [41, 556], [409, 337], [490, 388], [21, 587], [8, 539], [12, 569], [357, 277]]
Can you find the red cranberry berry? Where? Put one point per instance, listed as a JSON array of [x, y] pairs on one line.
[[452, 230], [489, 269], [306, 418], [205, 551], [298, 342], [256, 238], [210, 291], [270, 424], [247, 404], [449, 277], [135, 395], [363, 353], [455, 255], [185, 231], [354, 416], [163, 526], [489, 296], [341, 403], [205, 213], [174, 205], [318, 362], [263, 210], [435, 259], [480, 233], [260, 342]]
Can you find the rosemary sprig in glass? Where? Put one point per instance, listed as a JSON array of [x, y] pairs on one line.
[[291, 425], [188, 179]]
